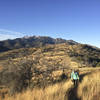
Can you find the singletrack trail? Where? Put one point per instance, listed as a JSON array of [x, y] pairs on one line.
[[71, 94]]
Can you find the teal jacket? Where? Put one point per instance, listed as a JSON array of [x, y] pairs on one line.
[[74, 75]]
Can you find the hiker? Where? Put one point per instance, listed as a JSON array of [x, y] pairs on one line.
[[75, 77]]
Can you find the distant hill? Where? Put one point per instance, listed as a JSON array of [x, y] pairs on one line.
[[27, 42]]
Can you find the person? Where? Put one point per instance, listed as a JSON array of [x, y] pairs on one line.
[[75, 77]]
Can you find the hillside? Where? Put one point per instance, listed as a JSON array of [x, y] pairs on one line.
[[80, 54], [43, 66]]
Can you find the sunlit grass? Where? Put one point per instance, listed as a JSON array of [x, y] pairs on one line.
[[88, 89]]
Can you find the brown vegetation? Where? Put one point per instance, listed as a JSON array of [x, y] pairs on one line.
[[87, 89], [28, 71]]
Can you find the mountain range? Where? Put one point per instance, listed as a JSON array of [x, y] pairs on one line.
[[34, 41]]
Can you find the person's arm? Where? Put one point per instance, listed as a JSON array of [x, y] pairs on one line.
[[77, 76]]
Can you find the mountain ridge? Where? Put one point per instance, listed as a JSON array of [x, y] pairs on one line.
[[32, 41]]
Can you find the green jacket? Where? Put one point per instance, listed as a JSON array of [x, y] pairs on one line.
[[74, 75]]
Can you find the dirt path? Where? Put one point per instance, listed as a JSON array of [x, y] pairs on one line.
[[71, 94]]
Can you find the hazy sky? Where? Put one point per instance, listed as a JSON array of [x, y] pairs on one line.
[[69, 19]]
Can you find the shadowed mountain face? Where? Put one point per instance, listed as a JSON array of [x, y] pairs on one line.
[[28, 42]]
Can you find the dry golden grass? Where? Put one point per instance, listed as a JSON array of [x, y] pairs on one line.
[[55, 92], [87, 89]]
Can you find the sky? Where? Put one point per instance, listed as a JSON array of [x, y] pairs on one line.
[[78, 20]]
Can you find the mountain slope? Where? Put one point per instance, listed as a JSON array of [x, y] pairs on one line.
[[42, 66], [84, 55]]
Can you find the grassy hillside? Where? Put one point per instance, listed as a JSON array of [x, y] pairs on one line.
[[83, 55], [32, 68]]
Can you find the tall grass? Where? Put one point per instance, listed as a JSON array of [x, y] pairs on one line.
[[89, 89], [54, 92]]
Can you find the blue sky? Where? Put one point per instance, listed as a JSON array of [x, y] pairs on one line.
[[69, 19]]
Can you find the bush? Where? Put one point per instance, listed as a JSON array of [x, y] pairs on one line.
[[17, 76]]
